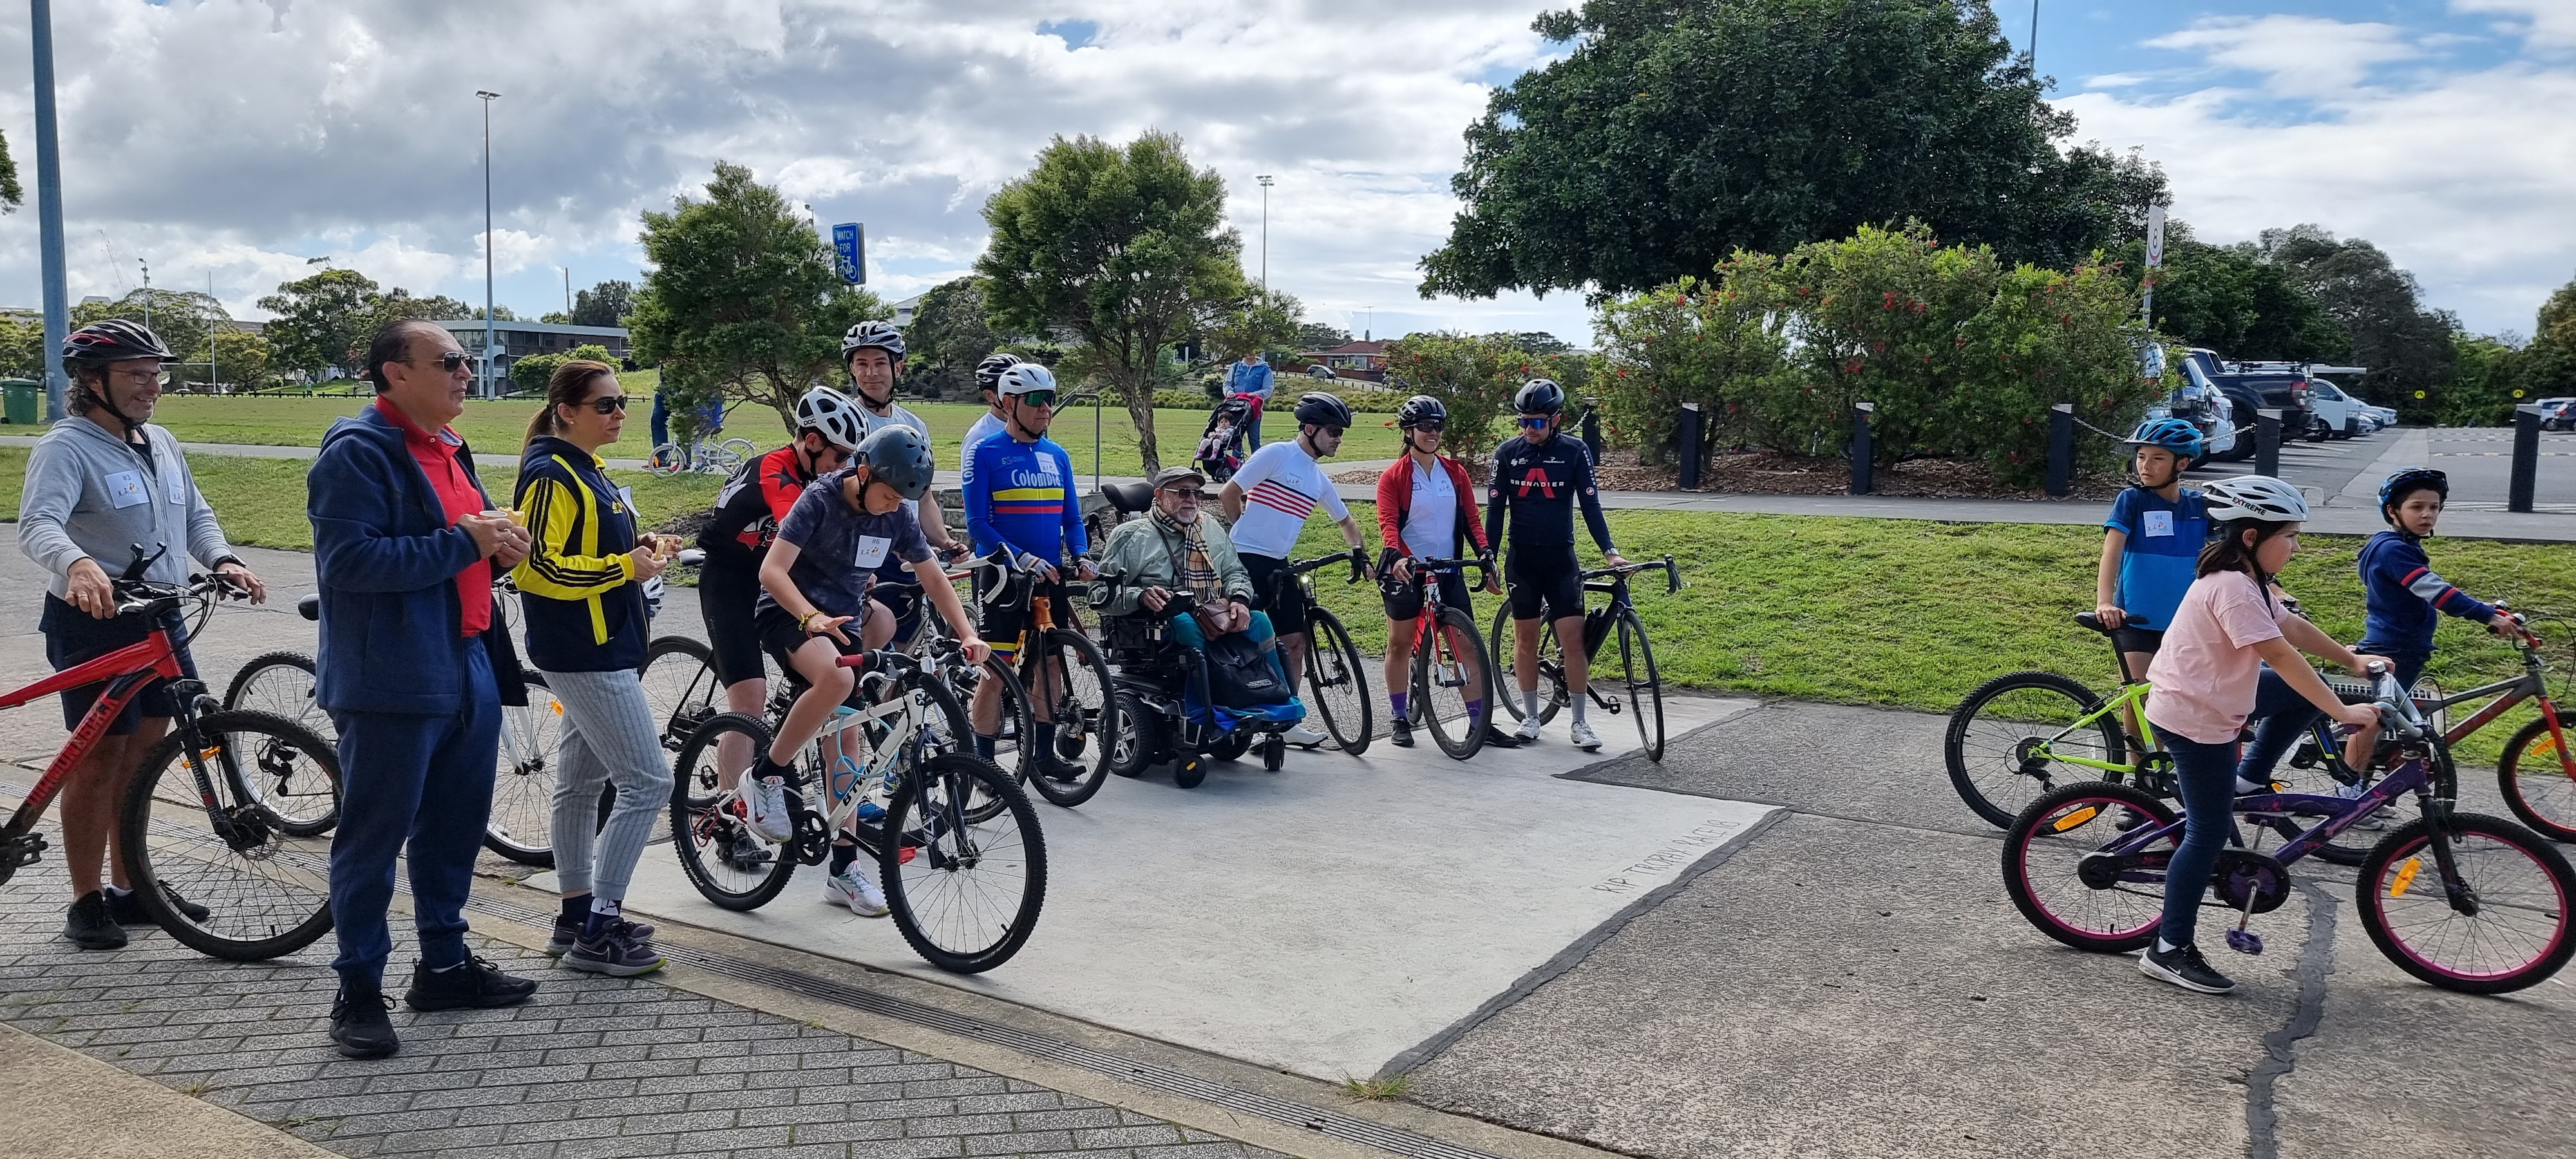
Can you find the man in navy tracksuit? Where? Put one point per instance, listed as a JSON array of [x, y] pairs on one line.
[[404, 543]]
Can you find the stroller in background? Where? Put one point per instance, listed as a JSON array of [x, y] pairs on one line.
[[1220, 451]]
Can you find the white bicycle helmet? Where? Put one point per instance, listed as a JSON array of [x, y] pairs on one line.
[[832, 414], [2257, 497], [1023, 378], [881, 335]]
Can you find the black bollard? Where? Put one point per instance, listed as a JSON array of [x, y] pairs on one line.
[[1861, 450], [2267, 442], [1686, 441], [1592, 433], [2526, 459], [2061, 450]]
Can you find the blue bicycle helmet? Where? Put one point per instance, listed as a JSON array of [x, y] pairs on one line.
[[2395, 489], [2174, 435]]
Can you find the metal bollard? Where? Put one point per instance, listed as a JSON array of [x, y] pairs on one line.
[[1592, 433], [1686, 437], [2267, 442], [1861, 450], [2526, 459], [2061, 450]]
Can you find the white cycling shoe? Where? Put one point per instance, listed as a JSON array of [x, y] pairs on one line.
[[767, 799], [1583, 736], [1528, 731], [1303, 734], [853, 889]]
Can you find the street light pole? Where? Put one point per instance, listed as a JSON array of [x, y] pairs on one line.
[[1264, 179], [488, 97], [49, 206]]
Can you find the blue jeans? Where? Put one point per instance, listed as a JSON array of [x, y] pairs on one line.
[[1254, 429], [424, 782], [2286, 715], [2205, 776], [1185, 630]]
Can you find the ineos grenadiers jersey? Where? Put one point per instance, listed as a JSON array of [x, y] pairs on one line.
[[1539, 486], [1021, 494]]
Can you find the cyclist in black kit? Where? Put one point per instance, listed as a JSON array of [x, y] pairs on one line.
[[1539, 477]]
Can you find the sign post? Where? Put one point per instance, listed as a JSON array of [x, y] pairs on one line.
[[850, 247], [2155, 259]]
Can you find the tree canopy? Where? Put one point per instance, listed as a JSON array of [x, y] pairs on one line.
[[2378, 308], [949, 335], [321, 320], [1678, 131], [603, 304]]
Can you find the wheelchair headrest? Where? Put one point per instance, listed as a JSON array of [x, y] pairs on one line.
[[1128, 498]]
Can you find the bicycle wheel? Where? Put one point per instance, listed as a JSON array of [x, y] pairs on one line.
[[2498, 921], [1083, 713], [523, 791], [965, 893], [267, 892], [1014, 720], [742, 450], [281, 684], [1645, 687], [2060, 878], [1446, 678], [666, 460], [2538, 776], [1338, 681], [1995, 744], [680, 687], [729, 864], [1549, 680]]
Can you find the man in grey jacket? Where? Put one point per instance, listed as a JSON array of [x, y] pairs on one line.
[[99, 483]]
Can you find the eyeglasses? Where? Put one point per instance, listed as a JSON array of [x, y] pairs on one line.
[[1044, 398], [613, 404], [451, 361], [1190, 496], [1534, 422], [1335, 432], [143, 378]]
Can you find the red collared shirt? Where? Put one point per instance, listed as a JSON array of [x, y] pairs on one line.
[[436, 455]]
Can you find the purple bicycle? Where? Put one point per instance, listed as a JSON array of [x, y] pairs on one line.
[[2464, 901]]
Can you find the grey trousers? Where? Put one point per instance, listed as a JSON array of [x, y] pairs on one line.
[[609, 738]]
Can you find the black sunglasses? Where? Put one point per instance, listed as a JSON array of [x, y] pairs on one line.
[[451, 361], [1044, 398], [1433, 427], [613, 404]]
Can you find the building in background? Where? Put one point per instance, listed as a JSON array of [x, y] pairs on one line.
[[517, 340], [1361, 360]]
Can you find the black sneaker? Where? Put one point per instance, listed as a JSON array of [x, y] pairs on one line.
[[129, 911], [1496, 738], [91, 926], [568, 931], [474, 985], [738, 849], [359, 1026], [617, 952], [1055, 768], [1399, 733], [2183, 966]]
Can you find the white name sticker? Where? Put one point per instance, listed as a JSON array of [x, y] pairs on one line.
[[125, 489], [179, 489], [872, 550], [2159, 523]]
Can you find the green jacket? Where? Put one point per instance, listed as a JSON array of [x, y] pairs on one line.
[[1141, 554]]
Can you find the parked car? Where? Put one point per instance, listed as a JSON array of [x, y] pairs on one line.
[[2332, 413], [2557, 414]]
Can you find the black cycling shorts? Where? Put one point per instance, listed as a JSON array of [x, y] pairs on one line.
[[1404, 600], [780, 636], [2147, 640], [906, 604], [1544, 577], [74, 637], [726, 593], [1271, 593]]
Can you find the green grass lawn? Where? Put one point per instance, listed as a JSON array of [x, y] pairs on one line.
[[500, 426]]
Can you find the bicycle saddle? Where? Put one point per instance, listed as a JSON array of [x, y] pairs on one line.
[[1128, 498], [2094, 622]]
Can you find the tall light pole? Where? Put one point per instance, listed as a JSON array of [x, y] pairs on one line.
[[567, 272], [49, 206], [488, 97], [1264, 179], [147, 292], [2034, 41]]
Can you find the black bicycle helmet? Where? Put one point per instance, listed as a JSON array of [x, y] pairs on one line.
[[988, 373], [898, 457], [1539, 396], [1320, 409], [1420, 409], [114, 340], [881, 335], [2395, 489]]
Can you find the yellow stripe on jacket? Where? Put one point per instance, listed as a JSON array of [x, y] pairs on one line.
[[558, 568]]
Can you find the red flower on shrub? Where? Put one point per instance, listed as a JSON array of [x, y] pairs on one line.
[[2015, 456], [1887, 301]]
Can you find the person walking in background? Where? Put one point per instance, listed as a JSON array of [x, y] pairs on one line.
[[1251, 376], [99, 483], [413, 675], [581, 587]]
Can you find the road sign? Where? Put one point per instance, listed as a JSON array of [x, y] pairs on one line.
[[850, 242], [2155, 236]]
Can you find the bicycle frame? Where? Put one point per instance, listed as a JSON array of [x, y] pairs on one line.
[[903, 721], [2133, 695], [2411, 775], [126, 670]]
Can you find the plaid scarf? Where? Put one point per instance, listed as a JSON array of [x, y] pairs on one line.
[[1195, 572]]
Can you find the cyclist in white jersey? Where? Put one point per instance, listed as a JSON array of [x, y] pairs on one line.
[[988, 378], [873, 354], [1266, 505]]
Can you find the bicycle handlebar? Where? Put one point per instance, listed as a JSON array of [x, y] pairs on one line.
[[1672, 572], [1357, 556]]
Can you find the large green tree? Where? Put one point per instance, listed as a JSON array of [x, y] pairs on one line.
[[1120, 249], [948, 336], [2549, 364], [1677, 131], [2228, 299], [321, 321], [2408, 348], [603, 304], [742, 299]]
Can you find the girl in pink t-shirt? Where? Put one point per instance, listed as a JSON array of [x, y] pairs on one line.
[[2208, 677]]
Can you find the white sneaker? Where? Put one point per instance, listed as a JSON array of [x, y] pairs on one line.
[[853, 889], [767, 798], [1528, 731], [2378, 818], [1583, 736], [1301, 733]]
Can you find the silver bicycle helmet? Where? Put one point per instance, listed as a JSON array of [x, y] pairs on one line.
[[2257, 497], [988, 373], [1023, 379], [831, 413], [881, 335]]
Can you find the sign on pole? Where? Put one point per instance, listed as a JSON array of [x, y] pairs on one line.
[[2155, 236], [850, 242]]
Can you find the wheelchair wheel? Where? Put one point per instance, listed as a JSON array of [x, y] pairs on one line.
[[1189, 770], [1274, 752], [1140, 736], [1231, 748]]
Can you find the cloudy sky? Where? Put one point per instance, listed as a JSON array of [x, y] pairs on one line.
[[235, 139]]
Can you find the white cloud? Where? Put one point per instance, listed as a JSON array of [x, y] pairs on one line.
[[2300, 56], [2549, 22]]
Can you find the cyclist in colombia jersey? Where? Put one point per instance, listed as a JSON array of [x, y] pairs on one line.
[[1019, 496], [1539, 479]]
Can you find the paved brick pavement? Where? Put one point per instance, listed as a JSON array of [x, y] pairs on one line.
[[592, 1067]]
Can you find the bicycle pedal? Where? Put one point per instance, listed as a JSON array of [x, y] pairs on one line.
[[2245, 941]]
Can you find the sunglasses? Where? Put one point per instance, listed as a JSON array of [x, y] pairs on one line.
[[452, 361], [1432, 428], [1534, 422], [613, 404], [1335, 432], [1044, 398]]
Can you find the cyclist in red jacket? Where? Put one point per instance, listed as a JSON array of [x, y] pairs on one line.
[[1426, 509]]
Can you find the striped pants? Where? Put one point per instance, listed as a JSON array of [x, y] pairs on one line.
[[609, 738]]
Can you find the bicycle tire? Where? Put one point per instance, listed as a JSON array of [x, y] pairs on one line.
[[679, 679], [743, 450], [1087, 701], [2545, 800], [1015, 717], [1551, 655], [2061, 814], [229, 877], [942, 916], [2385, 878], [701, 827], [665, 461], [1458, 733], [523, 787], [1338, 681], [1990, 774], [281, 683], [1645, 698]]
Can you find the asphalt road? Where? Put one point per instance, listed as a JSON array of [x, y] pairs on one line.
[[2478, 459]]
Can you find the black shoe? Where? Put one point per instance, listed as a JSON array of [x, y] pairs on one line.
[[2183, 966], [359, 1026], [1400, 733], [474, 985], [618, 952], [1496, 738], [736, 848], [129, 911], [91, 926], [568, 931], [1055, 768]]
